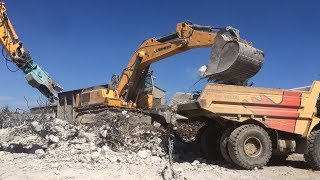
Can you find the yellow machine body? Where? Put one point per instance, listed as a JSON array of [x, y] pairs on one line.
[[127, 91]]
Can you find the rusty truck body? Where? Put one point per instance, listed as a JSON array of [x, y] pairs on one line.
[[250, 125]]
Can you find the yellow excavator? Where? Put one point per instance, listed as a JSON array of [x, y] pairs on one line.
[[14, 52], [233, 60]]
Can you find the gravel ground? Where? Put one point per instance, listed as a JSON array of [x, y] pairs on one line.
[[29, 166]]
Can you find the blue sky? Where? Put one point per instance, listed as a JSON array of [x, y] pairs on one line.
[[82, 43]]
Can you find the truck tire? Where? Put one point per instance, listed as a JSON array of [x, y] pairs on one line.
[[250, 146], [224, 145], [313, 154], [210, 143]]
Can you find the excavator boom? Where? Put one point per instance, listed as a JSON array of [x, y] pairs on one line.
[[34, 74], [233, 60]]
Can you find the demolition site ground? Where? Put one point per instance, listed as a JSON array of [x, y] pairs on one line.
[[37, 146]]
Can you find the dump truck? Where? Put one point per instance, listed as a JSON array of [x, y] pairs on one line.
[[249, 125]]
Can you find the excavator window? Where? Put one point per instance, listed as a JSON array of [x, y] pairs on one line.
[[148, 85]]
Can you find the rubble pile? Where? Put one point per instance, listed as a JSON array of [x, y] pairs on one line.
[[188, 131], [124, 144], [113, 137]]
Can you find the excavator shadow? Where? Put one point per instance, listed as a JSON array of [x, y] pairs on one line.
[[20, 148], [191, 153]]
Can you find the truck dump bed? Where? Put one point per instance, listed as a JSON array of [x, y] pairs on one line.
[[285, 110]]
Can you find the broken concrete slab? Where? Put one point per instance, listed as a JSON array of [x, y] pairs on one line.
[[36, 126], [6, 135], [54, 139], [139, 119]]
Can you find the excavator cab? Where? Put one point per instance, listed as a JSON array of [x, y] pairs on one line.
[[145, 93]]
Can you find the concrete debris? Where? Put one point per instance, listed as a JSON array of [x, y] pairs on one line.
[[155, 159], [187, 130], [138, 119], [144, 154], [85, 158], [60, 122], [59, 130], [104, 133], [2, 153], [6, 135], [195, 163], [93, 147], [124, 112], [110, 139], [95, 155], [36, 126], [105, 149], [90, 137], [110, 143], [39, 151], [53, 139], [157, 125]]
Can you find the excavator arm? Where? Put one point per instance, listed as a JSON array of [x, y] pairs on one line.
[[34, 74], [232, 60]]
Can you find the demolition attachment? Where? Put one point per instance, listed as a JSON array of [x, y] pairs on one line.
[[34, 74]]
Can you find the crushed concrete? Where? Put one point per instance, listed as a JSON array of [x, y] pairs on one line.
[[144, 154], [53, 138], [39, 151], [57, 139], [6, 135], [36, 126]]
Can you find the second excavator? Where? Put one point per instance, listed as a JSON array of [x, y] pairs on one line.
[[233, 60], [16, 54]]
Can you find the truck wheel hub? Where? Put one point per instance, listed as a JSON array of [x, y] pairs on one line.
[[252, 147]]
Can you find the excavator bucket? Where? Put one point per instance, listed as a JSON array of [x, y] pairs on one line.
[[233, 60]]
